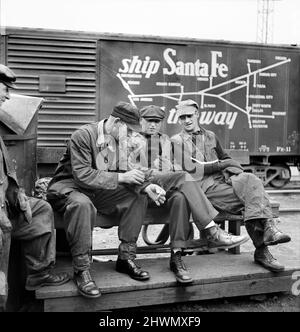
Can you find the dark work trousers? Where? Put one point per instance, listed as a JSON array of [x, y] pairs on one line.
[[80, 211], [184, 197], [37, 237], [244, 191]]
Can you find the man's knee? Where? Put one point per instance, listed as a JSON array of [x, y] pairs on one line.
[[250, 177], [176, 198], [80, 202]]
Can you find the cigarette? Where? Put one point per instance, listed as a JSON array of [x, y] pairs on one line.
[[158, 196]]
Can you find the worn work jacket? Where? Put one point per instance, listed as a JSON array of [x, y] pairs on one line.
[[203, 146], [92, 160], [8, 185], [151, 152]]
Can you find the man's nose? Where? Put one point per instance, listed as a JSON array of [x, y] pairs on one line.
[[7, 96]]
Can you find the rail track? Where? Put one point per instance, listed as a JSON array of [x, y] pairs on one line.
[[288, 197]]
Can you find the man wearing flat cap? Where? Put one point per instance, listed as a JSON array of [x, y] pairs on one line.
[[226, 185], [31, 218], [93, 176], [183, 195]]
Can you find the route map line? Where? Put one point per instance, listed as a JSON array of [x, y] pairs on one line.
[[177, 96]]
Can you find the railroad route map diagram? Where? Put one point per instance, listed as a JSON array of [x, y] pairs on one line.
[[245, 92], [238, 83]]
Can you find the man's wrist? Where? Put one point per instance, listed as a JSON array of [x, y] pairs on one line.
[[120, 177]]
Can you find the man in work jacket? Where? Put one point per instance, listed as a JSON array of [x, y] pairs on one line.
[[32, 219], [90, 177], [226, 185], [183, 194]]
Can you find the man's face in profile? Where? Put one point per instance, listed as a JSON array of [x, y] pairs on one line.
[[4, 93]]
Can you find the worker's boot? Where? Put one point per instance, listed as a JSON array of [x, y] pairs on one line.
[[272, 235], [178, 267], [218, 238], [262, 256]]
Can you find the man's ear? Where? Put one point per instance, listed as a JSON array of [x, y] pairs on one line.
[[115, 121]]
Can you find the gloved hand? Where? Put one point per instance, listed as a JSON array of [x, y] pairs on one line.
[[229, 163], [230, 166], [23, 204]]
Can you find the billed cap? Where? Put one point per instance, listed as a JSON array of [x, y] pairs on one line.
[[152, 112], [186, 107], [7, 76], [129, 114]]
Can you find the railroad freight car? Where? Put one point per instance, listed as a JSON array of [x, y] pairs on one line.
[[248, 93]]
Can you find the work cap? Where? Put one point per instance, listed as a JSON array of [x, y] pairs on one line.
[[7, 76], [186, 107], [152, 112], [128, 114]]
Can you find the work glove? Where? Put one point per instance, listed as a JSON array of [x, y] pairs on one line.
[[230, 167], [229, 163]]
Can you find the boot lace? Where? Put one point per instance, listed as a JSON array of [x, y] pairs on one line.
[[272, 227], [268, 255], [86, 276], [178, 260]]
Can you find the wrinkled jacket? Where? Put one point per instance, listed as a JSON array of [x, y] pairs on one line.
[[151, 152], [92, 159], [79, 162], [12, 190], [207, 148]]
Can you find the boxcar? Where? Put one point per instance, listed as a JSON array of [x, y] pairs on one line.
[[248, 93]]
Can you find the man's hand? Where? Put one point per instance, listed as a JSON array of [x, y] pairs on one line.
[[132, 177], [156, 193]]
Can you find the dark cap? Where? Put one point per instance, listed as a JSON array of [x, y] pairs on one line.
[[7, 76], [186, 107], [128, 114], [152, 112]]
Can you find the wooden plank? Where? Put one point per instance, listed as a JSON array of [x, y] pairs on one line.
[[174, 294], [205, 269]]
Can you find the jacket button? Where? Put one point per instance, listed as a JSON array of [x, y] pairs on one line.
[[1, 182]]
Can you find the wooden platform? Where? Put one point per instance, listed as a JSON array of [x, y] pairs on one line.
[[215, 276]]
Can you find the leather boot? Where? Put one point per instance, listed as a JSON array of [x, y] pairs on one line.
[[218, 238], [130, 267], [86, 285], [262, 256], [178, 267], [35, 282], [272, 235]]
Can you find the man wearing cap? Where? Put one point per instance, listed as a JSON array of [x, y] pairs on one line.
[[93, 176], [183, 194], [31, 218], [226, 185]]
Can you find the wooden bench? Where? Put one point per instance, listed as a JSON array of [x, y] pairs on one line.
[[156, 216]]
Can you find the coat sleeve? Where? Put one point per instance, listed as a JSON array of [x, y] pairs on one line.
[[220, 151], [182, 159], [85, 175]]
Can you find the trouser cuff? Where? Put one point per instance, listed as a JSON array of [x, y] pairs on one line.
[[127, 250], [81, 262], [179, 244]]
